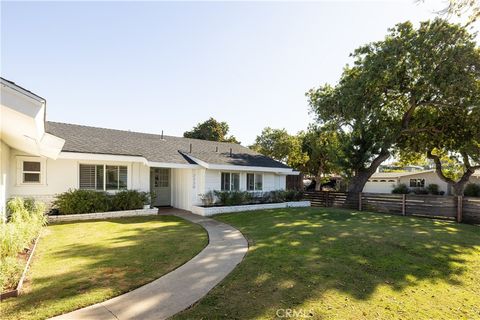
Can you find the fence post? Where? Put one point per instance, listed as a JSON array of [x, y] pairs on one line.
[[359, 201], [326, 199], [404, 204], [459, 208]]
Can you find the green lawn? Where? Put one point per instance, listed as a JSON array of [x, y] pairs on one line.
[[341, 264], [78, 264]]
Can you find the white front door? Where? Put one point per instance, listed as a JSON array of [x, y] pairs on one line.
[[160, 186]]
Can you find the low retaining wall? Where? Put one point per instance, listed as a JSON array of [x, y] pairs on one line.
[[103, 215], [210, 211]]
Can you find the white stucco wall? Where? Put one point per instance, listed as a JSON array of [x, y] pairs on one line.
[[430, 178], [4, 177], [185, 187], [380, 187], [271, 181], [387, 186], [63, 174]]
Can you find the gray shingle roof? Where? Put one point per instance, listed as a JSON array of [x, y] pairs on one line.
[[170, 149]]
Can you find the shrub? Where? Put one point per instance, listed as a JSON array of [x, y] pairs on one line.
[[82, 201], [401, 189], [278, 196], [472, 190], [10, 272], [293, 195], [208, 199], [26, 218], [238, 198], [222, 197], [433, 189], [420, 191], [129, 200]]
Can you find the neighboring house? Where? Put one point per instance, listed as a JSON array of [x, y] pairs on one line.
[[384, 182], [40, 159]]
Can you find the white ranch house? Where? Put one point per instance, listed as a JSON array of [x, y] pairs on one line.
[[40, 159], [384, 182]]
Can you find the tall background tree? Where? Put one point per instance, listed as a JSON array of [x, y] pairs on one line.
[[322, 147], [280, 145], [387, 96], [211, 130]]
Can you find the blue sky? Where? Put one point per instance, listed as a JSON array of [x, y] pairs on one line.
[[155, 66]]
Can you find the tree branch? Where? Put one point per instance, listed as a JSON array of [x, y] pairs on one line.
[[438, 167]]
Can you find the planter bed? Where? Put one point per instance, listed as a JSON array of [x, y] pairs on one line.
[[15, 292], [103, 215], [209, 211]]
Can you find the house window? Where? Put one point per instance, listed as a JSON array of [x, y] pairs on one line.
[[254, 181], [31, 171], [417, 183], [103, 177], [230, 181], [161, 179]]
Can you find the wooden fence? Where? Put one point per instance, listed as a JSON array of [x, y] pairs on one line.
[[461, 209]]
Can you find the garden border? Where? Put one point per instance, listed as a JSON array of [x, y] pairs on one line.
[[103, 215], [16, 292], [210, 211]]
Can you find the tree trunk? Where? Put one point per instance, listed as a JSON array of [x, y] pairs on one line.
[[360, 179], [318, 179], [458, 186]]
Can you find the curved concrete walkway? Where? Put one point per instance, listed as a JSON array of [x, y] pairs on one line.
[[180, 288]]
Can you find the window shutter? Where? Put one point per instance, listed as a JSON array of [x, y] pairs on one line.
[[87, 176]]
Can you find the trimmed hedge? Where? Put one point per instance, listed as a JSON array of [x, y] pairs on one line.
[[234, 198], [90, 201], [25, 220]]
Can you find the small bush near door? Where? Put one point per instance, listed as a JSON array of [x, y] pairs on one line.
[[129, 200], [91, 201]]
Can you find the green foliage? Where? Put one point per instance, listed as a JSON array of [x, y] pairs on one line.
[[222, 197], [211, 130], [293, 195], [26, 218], [415, 90], [129, 200], [281, 146], [420, 191], [433, 188], [82, 201], [234, 198], [321, 144], [472, 190], [401, 189], [90, 201], [208, 199], [277, 196]]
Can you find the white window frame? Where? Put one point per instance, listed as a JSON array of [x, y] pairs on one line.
[[20, 172], [254, 181], [105, 175], [231, 181], [418, 183]]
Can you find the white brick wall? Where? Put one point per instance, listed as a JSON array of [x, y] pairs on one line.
[[202, 211]]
